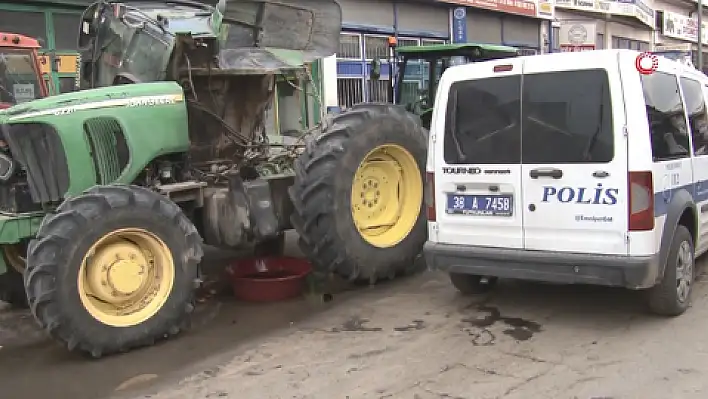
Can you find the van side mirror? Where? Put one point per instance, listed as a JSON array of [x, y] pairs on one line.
[[375, 69]]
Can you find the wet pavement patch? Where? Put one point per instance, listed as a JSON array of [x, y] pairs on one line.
[[517, 328]]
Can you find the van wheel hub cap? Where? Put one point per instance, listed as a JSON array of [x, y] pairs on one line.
[[684, 271]]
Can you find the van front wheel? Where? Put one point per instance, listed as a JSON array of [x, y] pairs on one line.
[[671, 297]]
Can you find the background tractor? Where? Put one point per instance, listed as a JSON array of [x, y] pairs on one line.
[[113, 190], [429, 62], [20, 76]]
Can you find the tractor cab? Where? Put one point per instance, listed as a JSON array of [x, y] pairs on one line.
[[420, 69], [20, 73]]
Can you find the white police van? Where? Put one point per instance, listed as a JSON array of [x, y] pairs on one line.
[[570, 168]]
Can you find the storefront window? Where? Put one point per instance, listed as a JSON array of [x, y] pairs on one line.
[[426, 42], [407, 41], [26, 23], [629, 44], [66, 30], [556, 38], [600, 43], [376, 47], [349, 46]]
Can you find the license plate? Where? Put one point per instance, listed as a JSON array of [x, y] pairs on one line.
[[483, 205]]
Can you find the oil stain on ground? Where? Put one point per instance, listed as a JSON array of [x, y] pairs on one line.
[[516, 327]]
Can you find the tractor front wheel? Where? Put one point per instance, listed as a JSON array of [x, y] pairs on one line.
[[113, 269], [358, 193]]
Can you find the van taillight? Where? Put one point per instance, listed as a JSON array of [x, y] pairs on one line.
[[641, 201], [430, 195], [503, 68]]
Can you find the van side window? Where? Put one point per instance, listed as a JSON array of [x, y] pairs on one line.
[[567, 117], [482, 123], [696, 111], [665, 114]]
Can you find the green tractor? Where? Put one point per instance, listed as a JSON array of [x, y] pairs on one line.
[[108, 194], [420, 69]]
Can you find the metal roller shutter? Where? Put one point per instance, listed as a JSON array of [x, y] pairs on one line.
[[483, 27], [423, 18], [367, 12], [521, 31]]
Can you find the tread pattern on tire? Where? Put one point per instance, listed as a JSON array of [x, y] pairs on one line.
[[313, 192], [43, 268]]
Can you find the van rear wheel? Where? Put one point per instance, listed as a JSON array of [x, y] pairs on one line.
[[472, 284], [671, 297]]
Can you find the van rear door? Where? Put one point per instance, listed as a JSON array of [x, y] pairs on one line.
[[477, 168], [574, 155]]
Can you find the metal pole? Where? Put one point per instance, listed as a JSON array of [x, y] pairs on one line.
[[392, 67], [700, 35]]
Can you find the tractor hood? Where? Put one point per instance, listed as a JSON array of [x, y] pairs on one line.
[[115, 96]]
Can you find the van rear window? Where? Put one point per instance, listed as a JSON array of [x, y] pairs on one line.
[[482, 121], [565, 117]]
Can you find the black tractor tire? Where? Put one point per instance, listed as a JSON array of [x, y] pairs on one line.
[[64, 237], [663, 298], [321, 194], [12, 287], [471, 284]]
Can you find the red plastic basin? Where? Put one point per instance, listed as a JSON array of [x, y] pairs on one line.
[[268, 279]]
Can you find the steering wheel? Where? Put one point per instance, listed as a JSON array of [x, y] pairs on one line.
[[420, 105]]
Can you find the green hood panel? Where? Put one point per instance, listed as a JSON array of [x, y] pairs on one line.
[[106, 97], [144, 121]]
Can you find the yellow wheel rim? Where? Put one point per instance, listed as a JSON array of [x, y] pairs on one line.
[[387, 194], [126, 277]]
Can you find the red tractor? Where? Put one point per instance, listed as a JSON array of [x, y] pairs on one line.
[[20, 70]]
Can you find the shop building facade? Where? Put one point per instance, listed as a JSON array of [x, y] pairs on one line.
[[366, 28], [367, 25], [603, 24], [677, 30]]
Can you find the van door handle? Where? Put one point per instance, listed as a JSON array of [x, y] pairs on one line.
[[546, 172], [600, 174]]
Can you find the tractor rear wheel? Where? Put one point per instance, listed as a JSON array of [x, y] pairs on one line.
[[358, 193], [113, 269]]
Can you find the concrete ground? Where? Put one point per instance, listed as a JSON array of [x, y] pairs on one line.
[[411, 339]]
